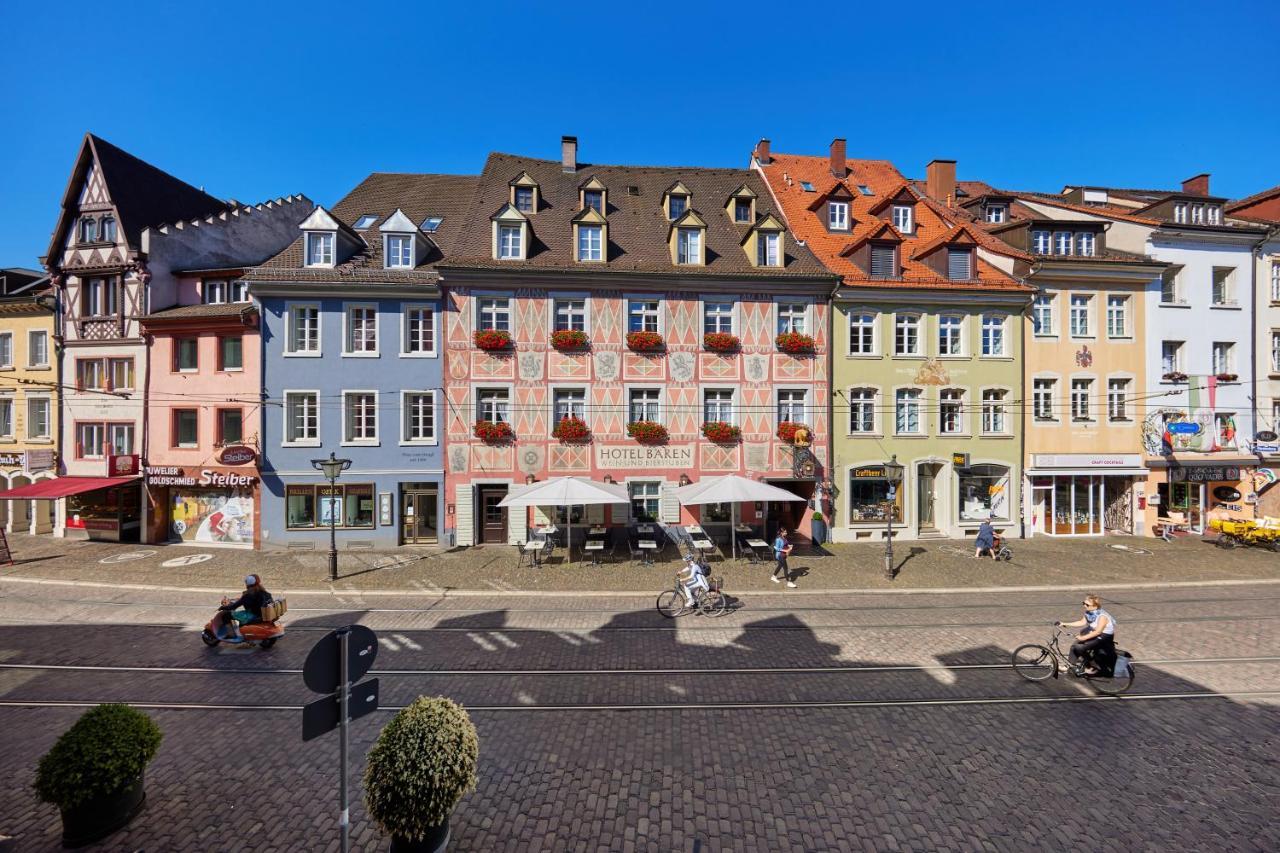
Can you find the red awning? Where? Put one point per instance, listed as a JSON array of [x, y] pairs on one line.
[[63, 486]]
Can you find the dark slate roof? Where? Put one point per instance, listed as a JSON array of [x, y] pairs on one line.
[[638, 230], [380, 195], [187, 312]]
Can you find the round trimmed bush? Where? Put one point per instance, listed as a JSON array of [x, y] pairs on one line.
[[102, 754], [422, 764]]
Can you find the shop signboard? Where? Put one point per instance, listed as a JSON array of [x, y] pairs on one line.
[[1226, 493], [237, 454], [960, 460], [122, 466], [617, 457], [1204, 474], [1183, 428], [1086, 460], [11, 460], [1267, 436], [868, 472], [40, 460]]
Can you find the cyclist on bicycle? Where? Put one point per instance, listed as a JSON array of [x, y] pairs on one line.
[[1097, 640], [693, 577]]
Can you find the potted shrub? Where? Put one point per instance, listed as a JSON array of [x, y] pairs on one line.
[[569, 340], [720, 342], [1175, 376], [647, 432], [794, 343], [571, 429], [94, 773], [818, 527], [422, 764], [787, 431], [721, 432], [645, 342], [492, 340], [494, 431]]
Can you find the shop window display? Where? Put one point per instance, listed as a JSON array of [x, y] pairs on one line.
[[314, 506], [212, 515], [984, 493], [869, 496]]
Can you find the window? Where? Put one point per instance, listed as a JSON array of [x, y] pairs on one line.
[[869, 501], [1062, 242], [360, 423], [1222, 294], [950, 335], [6, 417], [120, 439], [120, 374], [1081, 389], [793, 405], [319, 250], [38, 348], [993, 335], [1042, 315], [1275, 281], [1275, 352], [907, 411], [570, 315], [419, 331], [906, 334], [1171, 356], [230, 426], [1197, 214], [1170, 288], [689, 246], [108, 232], [883, 260], [399, 251], [903, 218], [38, 409], [717, 317], [364, 222], [1226, 428], [1180, 212], [186, 427], [88, 230], [590, 243], [1079, 316], [806, 186], [742, 210], [493, 314], [838, 215], [301, 417], [642, 315], [6, 349], [717, 405], [99, 297], [645, 500], [865, 190], [767, 244], [231, 353], [89, 440], [524, 199], [1040, 242], [643, 404], [213, 291], [984, 493], [1117, 399], [792, 317], [996, 213], [186, 354], [346, 505], [362, 329], [993, 411], [678, 205], [593, 199], [1085, 242], [1223, 357], [862, 410], [950, 411], [419, 409], [90, 374], [493, 404], [1117, 316], [431, 224], [959, 264], [509, 242], [570, 403], [1213, 214], [1042, 391], [862, 333]]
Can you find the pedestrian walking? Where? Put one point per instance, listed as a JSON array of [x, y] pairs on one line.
[[781, 548]]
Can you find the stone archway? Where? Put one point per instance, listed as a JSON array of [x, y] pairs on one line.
[[19, 510]]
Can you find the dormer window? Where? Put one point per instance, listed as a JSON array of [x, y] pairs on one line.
[[1040, 242], [1085, 242], [319, 249], [768, 245], [88, 230], [1213, 214], [510, 244], [524, 199], [365, 221], [884, 260], [590, 242], [1062, 243], [996, 213], [524, 194], [593, 199], [959, 264], [904, 218], [399, 253], [742, 210], [688, 245], [677, 205], [838, 215], [1180, 213], [108, 229]]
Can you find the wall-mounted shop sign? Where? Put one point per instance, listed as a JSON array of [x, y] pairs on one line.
[[122, 466], [177, 476], [631, 457], [1086, 460], [1266, 435], [868, 472], [1204, 474], [11, 460], [40, 460], [1226, 493], [237, 454], [960, 460], [1183, 428]]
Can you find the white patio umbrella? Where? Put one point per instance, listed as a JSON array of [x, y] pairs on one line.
[[566, 491], [731, 489]]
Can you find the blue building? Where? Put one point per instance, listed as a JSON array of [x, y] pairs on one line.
[[352, 365]]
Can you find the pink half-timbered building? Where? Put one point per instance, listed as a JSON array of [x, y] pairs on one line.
[[643, 307]]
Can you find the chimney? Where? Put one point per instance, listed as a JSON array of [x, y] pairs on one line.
[[569, 153], [837, 159], [762, 152], [940, 180], [1198, 185]]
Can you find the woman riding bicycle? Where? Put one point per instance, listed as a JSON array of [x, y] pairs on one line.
[[1098, 640], [693, 578]]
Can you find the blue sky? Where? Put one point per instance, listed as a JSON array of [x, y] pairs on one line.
[[256, 100]]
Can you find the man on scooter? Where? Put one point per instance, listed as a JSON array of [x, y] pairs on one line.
[[247, 608]]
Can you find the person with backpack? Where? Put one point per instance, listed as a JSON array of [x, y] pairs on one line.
[[781, 548], [1097, 639]]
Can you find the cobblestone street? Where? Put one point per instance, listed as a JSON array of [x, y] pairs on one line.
[[818, 723]]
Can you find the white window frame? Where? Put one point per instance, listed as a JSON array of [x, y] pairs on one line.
[[512, 249], [805, 316], [769, 248], [1197, 213], [1063, 240], [954, 398], [405, 438], [476, 393], [394, 261], [327, 244], [689, 242], [591, 254], [1081, 405], [478, 309], [646, 297], [1179, 357], [837, 216], [83, 450], [869, 405], [1042, 241], [1118, 308], [996, 213], [1180, 213], [1073, 301], [572, 297], [1275, 350], [1228, 299], [1049, 398], [8, 403], [348, 393], [898, 320], [918, 396], [720, 316], [874, 326], [989, 407], [959, 337], [432, 311], [1228, 349], [1126, 398], [289, 323], [1000, 327], [47, 434], [906, 215], [661, 401], [1086, 244], [6, 350], [556, 390], [806, 404], [646, 482], [718, 390], [1275, 281], [1049, 328], [348, 328]]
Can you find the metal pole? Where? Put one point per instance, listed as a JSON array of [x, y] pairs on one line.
[[888, 541], [333, 529], [344, 822]]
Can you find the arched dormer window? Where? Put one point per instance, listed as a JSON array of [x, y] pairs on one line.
[[676, 200], [525, 194], [592, 194]]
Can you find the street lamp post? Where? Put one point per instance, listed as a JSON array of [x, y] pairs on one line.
[[892, 473], [332, 468]]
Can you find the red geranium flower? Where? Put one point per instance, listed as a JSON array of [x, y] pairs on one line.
[[647, 432], [492, 339], [794, 343], [787, 430], [571, 429], [721, 432], [494, 431], [720, 342], [645, 341], [569, 340]]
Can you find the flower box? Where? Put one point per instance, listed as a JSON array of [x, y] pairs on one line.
[[571, 429], [794, 343], [1226, 377], [645, 342], [1175, 376], [647, 432], [787, 431], [720, 342], [569, 340], [721, 432], [492, 340], [494, 431]]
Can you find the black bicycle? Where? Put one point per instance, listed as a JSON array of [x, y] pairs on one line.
[[710, 602], [1035, 662]]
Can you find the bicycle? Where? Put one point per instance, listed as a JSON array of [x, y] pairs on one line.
[[672, 603], [1035, 662]]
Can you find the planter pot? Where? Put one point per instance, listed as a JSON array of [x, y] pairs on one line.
[[435, 841], [819, 530], [98, 818]]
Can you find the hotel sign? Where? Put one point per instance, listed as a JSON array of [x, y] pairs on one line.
[[623, 457]]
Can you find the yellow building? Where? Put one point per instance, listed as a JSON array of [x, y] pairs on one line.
[[29, 403]]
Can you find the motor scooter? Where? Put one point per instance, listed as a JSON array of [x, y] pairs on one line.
[[263, 634]]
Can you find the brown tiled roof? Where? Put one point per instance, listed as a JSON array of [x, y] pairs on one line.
[[187, 312], [1250, 200], [638, 228]]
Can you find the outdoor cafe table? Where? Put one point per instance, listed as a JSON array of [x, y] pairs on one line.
[[647, 547], [535, 547], [597, 531], [595, 548], [757, 545]]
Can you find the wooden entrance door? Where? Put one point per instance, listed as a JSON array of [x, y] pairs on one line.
[[419, 517], [493, 518]]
